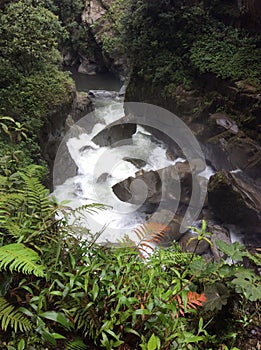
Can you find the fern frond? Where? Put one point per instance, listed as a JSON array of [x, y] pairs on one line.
[[193, 301], [149, 234], [76, 344], [91, 208], [17, 257], [36, 196], [13, 318], [85, 317]]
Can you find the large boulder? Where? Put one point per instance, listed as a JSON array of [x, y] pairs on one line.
[[171, 187], [189, 243], [234, 200], [227, 147], [87, 67], [82, 105], [115, 135]]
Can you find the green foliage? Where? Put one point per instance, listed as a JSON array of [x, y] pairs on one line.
[[247, 283], [32, 87], [25, 212], [77, 344], [113, 298], [13, 318], [13, 152], [14, 130], [17, 257], [235, 251], [111, 27], [217, 296], [31, 98], [29, 36], [227, 53], [69, 13], [112, 295], [202, 234], [171, 43]]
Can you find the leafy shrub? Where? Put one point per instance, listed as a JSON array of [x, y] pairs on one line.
[[28, 49], [227, 53]]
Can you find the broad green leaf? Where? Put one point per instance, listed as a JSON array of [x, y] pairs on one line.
[[57, 317], [249, 284], [217, 295], [21, 345], [95, 291], [154, 342], [235, 251]]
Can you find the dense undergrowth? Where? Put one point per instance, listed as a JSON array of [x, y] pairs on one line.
[[59, 289]]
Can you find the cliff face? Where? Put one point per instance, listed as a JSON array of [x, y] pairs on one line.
[[188, 74], [241, 13], [98, 47], [252, 18]]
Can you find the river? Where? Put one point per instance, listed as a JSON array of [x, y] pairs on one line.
[[95, 177]]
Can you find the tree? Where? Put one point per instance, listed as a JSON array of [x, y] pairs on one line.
[[32, 84], [28, 36]]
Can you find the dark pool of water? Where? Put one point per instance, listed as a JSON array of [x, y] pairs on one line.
[[100, 81]]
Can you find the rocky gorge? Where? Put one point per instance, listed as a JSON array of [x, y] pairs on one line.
[[223, 115], [130, 174]]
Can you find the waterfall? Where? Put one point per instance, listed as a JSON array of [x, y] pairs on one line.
[[94, 180]]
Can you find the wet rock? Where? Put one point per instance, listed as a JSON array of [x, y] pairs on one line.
[[87, 67], [217, 233], [234, 200], [57, 130], [115, 61], [225, 122], [68, 58], [87, 148], [103, 94], [93, 11], [245, 154], [172, 222], [245, 87], [103, 177], [190, 243], [229, 148], [171, 185], [82, 105], [115, 135], [135, 190], [170, 154], [122, 90]]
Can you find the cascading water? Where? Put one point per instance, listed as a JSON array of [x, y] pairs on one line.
[[95, 178]]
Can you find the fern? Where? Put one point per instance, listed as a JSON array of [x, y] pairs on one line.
[[37, 202], [26, 211], [85, 317], [76, 344], [193, 300], [13, 318], [17, 257], [149, 234]]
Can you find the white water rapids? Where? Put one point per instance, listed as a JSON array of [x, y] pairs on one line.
[[120, 218]]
